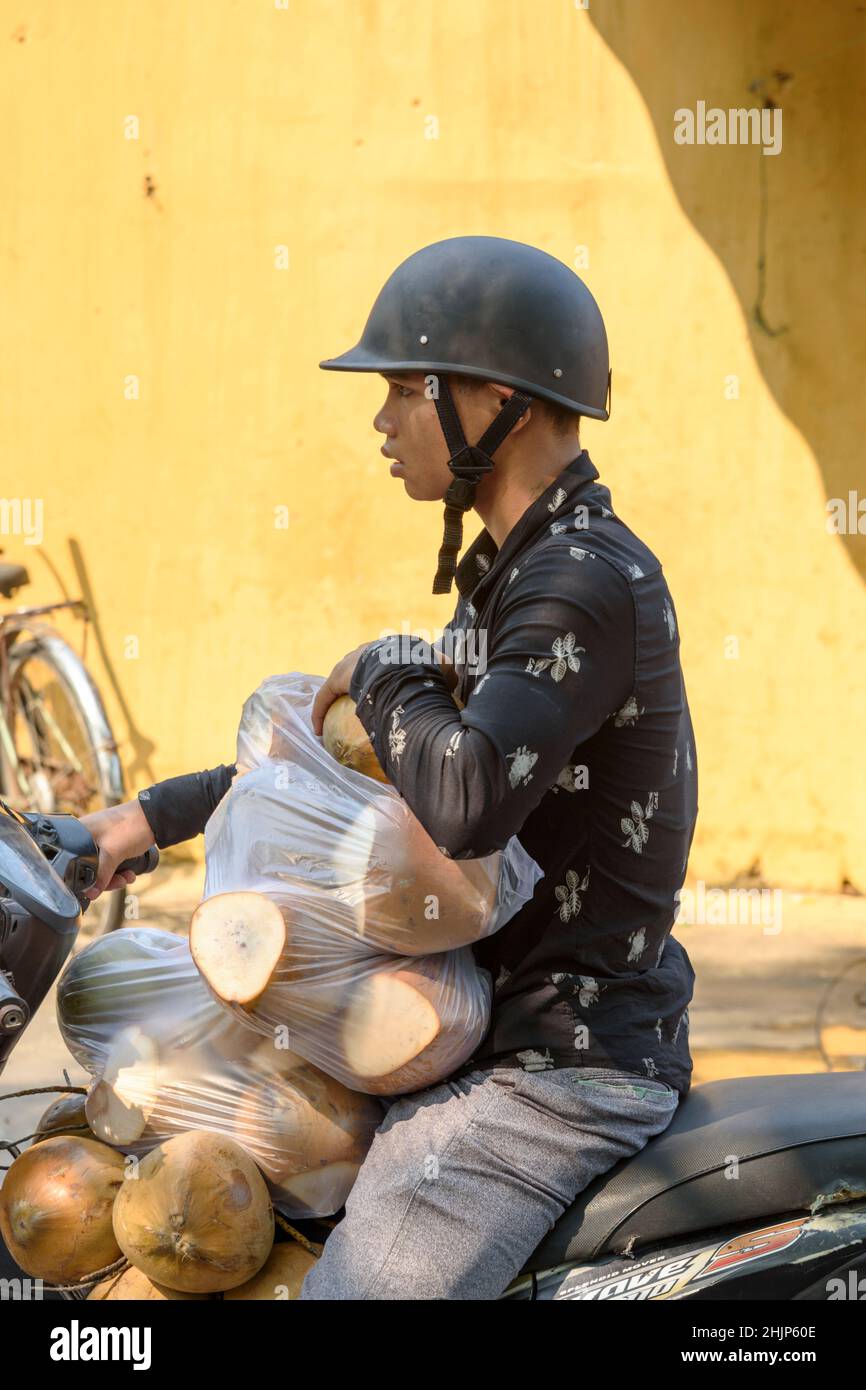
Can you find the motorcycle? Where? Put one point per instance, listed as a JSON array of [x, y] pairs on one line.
[[755, 1191]]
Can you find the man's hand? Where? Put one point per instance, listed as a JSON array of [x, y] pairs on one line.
[[120, 832], [340, 678], [337, 684]]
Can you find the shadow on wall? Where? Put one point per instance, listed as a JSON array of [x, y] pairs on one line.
[[789, 228]]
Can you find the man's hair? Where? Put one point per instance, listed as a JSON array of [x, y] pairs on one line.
[[564, 422]]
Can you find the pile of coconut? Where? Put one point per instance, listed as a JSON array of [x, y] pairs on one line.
[[234, 1075], [192, 1219], [166, 1058], [329, 912]]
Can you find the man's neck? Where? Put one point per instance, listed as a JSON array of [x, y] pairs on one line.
[[503, 496]]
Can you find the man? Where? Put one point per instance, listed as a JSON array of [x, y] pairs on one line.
[[575, 735]]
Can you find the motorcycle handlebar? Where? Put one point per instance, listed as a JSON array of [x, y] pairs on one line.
[[142, 863]]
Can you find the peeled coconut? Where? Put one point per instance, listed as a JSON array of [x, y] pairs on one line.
[[236, 940], [413, 899], [131, 1284], [280, 1277], [56, 1208], [383, 1030], [346, 739], [64, 1116], [120, 1103], [302, 1121], [196, 1216], [393, 1036], [322, 1191]]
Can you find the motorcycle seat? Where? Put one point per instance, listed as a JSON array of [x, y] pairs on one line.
[[735, 1151], [12, 577]]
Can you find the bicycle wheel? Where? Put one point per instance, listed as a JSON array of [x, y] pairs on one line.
[[60, 754]]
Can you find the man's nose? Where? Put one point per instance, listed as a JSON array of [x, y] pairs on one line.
[[383, 422]]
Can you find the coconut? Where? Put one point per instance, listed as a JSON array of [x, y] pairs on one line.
[[64, 1116], [296, 1123], [322, 1191], [414, 899], [134, 975], [346, 739], [131, 1284], [120, 1103], [196, 1216], [56, 1208], [236, 940], [280, 1277], [406, 1028]]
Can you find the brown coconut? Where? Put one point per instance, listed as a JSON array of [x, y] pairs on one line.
[[401, 1030], [64, 1116], [131, 1284], [196, 1216], [417, 901], [280, 1277], [302, 1121], [322, 1191], [56, 1206], [346, 739]]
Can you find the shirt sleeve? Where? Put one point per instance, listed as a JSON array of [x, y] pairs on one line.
[[558, 662], [180, 807]]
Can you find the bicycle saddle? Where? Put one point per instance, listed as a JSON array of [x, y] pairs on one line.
[[12, 577]]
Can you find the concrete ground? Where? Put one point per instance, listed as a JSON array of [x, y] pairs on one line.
[[755, 1008]]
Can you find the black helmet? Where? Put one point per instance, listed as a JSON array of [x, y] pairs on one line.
[[494, 309]]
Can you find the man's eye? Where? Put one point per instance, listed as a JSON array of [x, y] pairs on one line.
[[405, 391]]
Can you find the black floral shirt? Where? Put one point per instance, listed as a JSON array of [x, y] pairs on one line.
[[576, 737]]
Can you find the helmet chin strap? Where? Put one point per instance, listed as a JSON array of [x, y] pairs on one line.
[[468, 462]]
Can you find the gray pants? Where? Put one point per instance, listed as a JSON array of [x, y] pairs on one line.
[[464, 1179]]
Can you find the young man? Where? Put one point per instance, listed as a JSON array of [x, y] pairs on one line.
[[575, 735]]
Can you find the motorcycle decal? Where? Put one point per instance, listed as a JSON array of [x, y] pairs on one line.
[[660, 1278], [755, 1244]]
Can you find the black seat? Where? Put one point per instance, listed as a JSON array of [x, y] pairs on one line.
[[12, 577], [800, 1142]]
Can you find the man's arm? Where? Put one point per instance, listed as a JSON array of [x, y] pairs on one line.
[[560, 662], [179, 808]]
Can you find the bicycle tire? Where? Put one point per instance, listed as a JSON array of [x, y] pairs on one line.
[[86, 703]]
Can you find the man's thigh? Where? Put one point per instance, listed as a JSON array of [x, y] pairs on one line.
[[463, 1180]]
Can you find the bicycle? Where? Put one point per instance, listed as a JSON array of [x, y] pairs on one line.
[[57, 750]]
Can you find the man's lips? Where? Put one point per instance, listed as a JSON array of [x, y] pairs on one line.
[[396, 464]]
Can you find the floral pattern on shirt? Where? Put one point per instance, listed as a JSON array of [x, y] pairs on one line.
[[568, 894], [523, 760], [635, 827], [629, 714], [564, 658], [396, 735]]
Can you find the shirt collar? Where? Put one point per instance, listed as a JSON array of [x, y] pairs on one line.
[[483, 555]]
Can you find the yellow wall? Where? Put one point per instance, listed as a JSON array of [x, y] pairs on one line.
[[306, 126]]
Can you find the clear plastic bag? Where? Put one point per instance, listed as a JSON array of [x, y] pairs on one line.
[[383, 1024], [363, 924], [297, 819], [165, 1057]]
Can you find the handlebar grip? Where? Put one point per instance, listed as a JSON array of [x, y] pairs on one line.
[[142, 863]]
